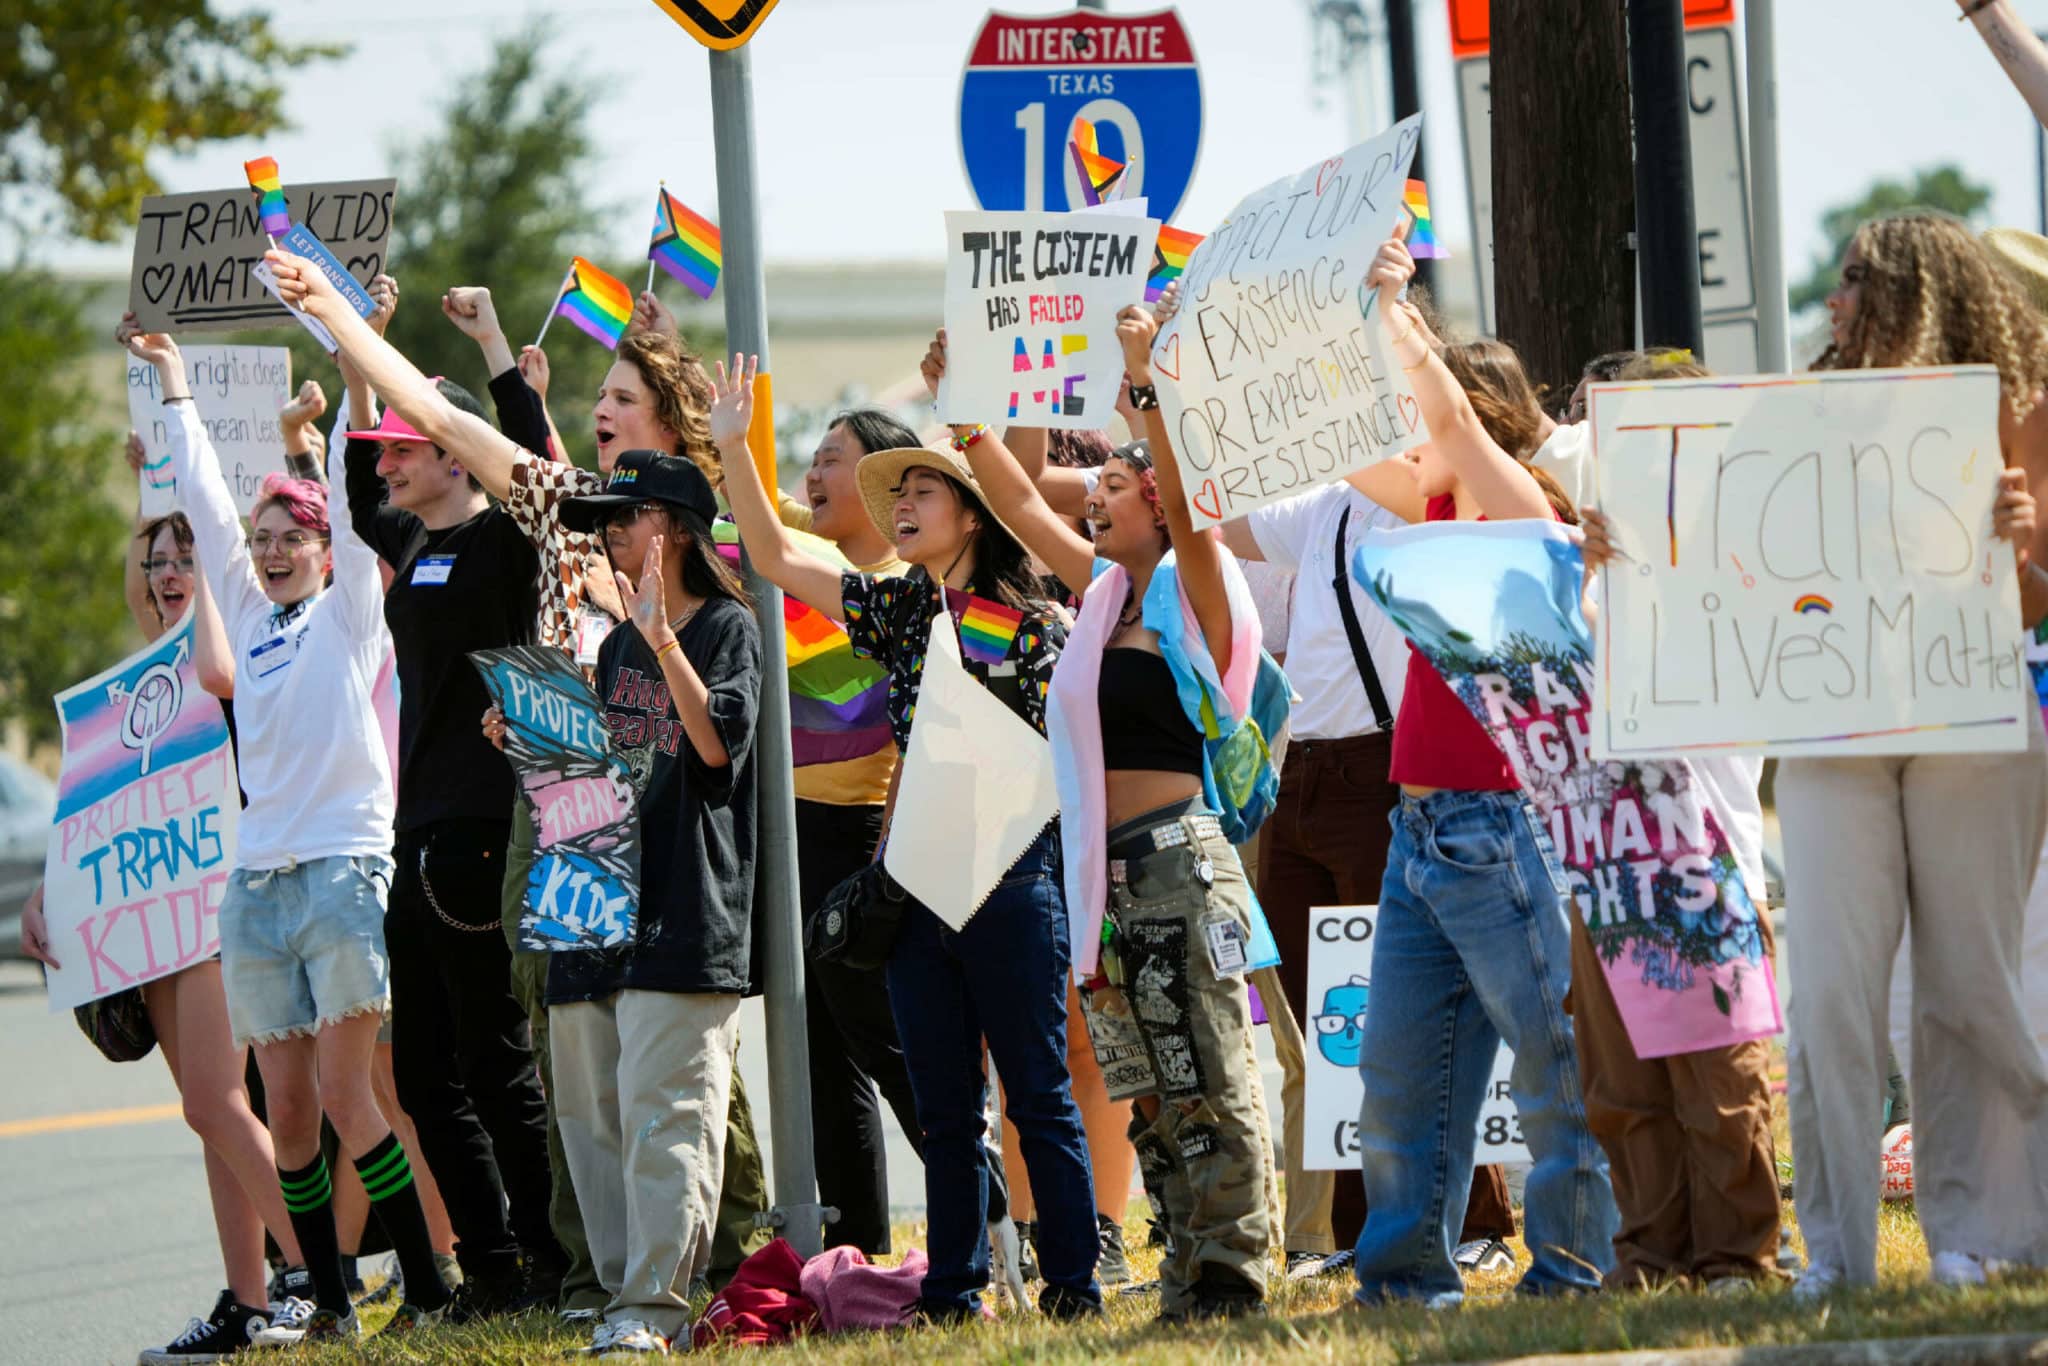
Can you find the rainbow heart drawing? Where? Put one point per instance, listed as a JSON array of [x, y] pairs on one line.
[[1813, 602]]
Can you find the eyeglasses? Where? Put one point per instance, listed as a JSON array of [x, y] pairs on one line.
[[629, 514], [1338, 1024], [184, 565], [292, 542]]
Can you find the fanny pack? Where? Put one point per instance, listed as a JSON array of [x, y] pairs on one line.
[[860, 920], [118, 1025]]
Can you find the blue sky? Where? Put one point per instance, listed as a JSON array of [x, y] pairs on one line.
[[856, 102]]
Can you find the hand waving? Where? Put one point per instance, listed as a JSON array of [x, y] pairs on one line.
[[647, 606], [732, 413]]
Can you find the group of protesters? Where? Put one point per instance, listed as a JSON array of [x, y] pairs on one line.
[[565, 1132]]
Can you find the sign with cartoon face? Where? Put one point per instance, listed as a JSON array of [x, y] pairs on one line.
[[1340, 993]]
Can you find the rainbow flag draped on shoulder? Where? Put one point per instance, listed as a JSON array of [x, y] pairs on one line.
[[838, 702]]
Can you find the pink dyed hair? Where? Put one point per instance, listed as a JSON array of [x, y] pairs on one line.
[[304, 501]]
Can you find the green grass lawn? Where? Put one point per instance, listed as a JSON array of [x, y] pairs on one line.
[[1315, 1322]]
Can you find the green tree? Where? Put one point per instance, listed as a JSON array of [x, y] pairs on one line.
[[88, 92], [61, 614], [500, 196], [1939, 187]]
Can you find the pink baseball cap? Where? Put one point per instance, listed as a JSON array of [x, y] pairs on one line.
[[390, 427]]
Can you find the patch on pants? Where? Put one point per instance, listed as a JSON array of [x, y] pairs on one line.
[[1118, 1043], [1156, 964], [1155, 1159], [1196, 1141]]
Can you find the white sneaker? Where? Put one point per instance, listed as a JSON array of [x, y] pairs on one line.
[[288, 1318], [626, 1337], [1483, 1254], [1957, 1268], [1817, 1282]]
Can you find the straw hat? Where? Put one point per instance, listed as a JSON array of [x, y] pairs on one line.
[[881, 473], [2024, 257]]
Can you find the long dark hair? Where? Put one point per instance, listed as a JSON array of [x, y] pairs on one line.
[[705, 571], [1002, 567]]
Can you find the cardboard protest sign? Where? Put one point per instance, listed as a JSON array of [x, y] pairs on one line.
[[584, 889], [239, 391], [144, 834], [194, 253], [1271, 378], [1031, 305], [1811, 567], [973, 765], [1495, 608], [1339, 993]]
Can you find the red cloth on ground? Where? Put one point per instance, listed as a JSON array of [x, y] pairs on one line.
[[764, 1303]]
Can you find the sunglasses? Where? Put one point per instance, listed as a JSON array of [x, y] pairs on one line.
[[183, 563], [626, 516]]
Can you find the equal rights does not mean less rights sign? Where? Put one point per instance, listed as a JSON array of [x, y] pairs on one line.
[[193, 252]]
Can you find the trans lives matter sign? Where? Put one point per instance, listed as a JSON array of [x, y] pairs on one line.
[[584, 889], [144, 833], [1031, 305], [1339, 991], [194, 252], [239, 391], [1810, 567], [1272, 377]]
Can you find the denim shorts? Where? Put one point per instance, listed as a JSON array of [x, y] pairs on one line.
[[303, 946]]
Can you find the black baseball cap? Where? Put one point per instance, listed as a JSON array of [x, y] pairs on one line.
[[640, 477]]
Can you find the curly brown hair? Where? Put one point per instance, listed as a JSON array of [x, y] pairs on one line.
[[1931, 295], [682, 394]]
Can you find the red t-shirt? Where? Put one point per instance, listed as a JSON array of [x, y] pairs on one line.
[[1438, 742]]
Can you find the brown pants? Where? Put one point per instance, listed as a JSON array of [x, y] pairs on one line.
[[1326, 845], [1688, 1142]]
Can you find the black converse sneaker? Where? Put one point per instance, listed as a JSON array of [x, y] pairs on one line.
[[229, 1329]]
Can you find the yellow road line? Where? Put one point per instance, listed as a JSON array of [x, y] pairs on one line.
[[88, 1119]]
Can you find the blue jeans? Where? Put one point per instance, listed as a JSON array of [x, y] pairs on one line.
[[1003, 978], [1473, 947]]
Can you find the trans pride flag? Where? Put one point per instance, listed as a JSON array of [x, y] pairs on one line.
[[838, 702]]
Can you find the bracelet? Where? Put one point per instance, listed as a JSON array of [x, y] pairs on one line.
[[674, 643], [1393, 342], [1975, 8], [1427, 356], [169, 399], [961, 443], [1144, 397]]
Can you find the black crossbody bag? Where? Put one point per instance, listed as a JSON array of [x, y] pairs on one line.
[[1382, 714]]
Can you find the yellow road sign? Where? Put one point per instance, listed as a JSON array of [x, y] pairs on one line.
[[723, 24]]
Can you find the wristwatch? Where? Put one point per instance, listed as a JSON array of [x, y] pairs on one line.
[[1144, 396]]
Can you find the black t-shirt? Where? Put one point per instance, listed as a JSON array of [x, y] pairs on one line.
[[694, 931], [471, 586]]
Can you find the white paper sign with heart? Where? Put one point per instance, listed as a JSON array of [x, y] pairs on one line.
[[977, 788], [1272, 377]]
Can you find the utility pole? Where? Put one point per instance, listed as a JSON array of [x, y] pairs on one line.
[[1767, 230], [1407, 86], [1667, 238], [796, 1213], [1563, 184]]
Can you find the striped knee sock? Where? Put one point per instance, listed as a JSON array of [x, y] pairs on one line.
[[387, 1178], [309, 1199]]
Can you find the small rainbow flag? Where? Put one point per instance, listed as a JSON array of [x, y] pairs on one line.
[[270, 205], [1098, 173], [1422, 243], [596, 302], [685, 245], [1169, 259], [986, 630], [838, 702]]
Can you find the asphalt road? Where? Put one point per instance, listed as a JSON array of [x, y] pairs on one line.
[[106, 1236]]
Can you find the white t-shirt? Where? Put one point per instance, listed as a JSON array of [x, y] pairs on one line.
[[1300, 534], [310, 752], [1567, 455]]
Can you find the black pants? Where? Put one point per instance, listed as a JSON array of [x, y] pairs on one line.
[[853, 1041], [462, 1053]]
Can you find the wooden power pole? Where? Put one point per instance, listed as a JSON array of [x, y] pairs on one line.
[[1564, 198]]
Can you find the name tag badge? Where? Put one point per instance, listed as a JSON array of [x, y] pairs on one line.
[[1006, 669], [432, 569], [591, 629], [1226, 947], [272, 655]]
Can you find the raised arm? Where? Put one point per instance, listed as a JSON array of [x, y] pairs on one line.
[[216, 524], [1197, 555], [522, 411], [533, 368], [2024, 56], [484, 452], [772, 549], [134, 578], [1501, 484]]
